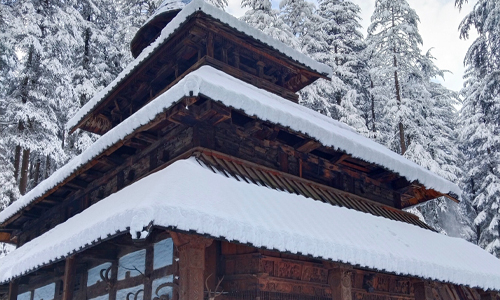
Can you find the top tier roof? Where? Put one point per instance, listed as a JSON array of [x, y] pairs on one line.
[[196, 6], [153, 26]]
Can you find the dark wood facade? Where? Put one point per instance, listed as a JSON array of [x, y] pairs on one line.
[[236, 144]]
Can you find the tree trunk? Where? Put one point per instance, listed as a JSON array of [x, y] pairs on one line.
[[398, 94], [17, 159], [37, 171], [23, 184], [398, 97], [373, 107], [47, 167]]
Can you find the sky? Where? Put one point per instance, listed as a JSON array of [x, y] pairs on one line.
[[439, 21]]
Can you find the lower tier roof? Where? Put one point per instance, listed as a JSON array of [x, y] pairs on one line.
[[190, 197]]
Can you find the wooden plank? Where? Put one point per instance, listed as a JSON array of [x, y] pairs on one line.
[[69, 278]]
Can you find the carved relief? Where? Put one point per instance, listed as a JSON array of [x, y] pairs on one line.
[[402, 286], [382, 283], [267, 266], [312, 274], [289, 270], [367, 296], [346, 285]]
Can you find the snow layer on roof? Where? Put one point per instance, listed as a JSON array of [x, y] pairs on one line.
[[266, 106], [170, 28], [168, 5], [189, 197]]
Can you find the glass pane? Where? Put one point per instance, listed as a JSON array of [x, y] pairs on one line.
[[163, 253], [103, 297], [133, 263], [131, 293], [94, 274], [159, 289], [45, 292], [24, 296]]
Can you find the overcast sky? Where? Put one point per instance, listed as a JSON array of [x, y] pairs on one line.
[[439, 21]]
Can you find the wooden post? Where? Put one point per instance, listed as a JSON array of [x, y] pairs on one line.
[[423, 290], [260, 69], [210, 44], [23, 184], [191, 265], [69, 278], [148, 287], [13, 290], [113, 279], [236, 58], [339, 280]]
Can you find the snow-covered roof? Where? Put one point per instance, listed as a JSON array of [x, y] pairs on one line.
[[168, 5], [173, 26], [266, 106], [189, 197]]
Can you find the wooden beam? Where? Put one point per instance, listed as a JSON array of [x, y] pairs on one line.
[[339, 159], [69, 278], [5, 237], [13, 290], [307, 146]]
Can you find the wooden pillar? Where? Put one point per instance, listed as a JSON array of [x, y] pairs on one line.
[[148, 284], [69, 278], [423, 290], [113, 279], [13, 290], [340, 282], [191, 265]]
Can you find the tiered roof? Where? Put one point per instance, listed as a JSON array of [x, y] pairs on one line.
[[264, 105], [192, 197]]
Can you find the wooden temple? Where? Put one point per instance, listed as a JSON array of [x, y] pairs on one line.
[[172, 263]]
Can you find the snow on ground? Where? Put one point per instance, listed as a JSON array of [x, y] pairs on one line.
[[235, 93], [189, 197], [173, 26]]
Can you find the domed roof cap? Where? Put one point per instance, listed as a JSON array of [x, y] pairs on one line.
[[167, 10]]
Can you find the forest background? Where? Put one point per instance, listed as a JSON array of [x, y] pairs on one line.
[[55, 54]]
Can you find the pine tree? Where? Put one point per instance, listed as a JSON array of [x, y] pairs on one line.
[[261, 16], [340, 27], [479, 118], [394, 38], [416, 116]]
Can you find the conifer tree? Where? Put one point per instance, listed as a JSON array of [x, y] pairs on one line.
[[479, 118], [261, 16], [416, 116]]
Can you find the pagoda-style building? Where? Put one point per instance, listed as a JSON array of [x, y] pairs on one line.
[[210, 181]]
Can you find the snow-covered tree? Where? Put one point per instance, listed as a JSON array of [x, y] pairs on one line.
[[340, 28], [480, 121], [394, 39], [261, 16], [416, 115]]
